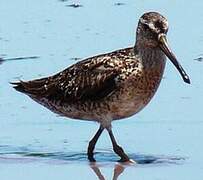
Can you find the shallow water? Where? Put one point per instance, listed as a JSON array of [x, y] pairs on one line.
[[165, 139]]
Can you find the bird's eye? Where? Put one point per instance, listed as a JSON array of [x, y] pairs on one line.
[[158, 25], [145, 26]]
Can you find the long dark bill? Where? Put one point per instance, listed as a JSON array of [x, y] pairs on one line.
[[165, 48]]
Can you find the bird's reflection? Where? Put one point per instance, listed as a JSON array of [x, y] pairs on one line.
[[118, 170]]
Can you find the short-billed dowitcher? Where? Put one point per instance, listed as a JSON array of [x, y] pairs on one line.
[[109, 86]]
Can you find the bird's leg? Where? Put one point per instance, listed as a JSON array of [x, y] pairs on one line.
[[117, 149], [92, 143]]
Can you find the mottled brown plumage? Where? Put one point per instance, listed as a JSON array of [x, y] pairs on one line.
[[110, 86]]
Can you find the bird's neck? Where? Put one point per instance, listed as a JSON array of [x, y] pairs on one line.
[[150, 57]]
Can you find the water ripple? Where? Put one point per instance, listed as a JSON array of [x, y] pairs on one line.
[[23, 154]]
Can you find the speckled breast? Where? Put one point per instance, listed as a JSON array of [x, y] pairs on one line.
[[136, 94]]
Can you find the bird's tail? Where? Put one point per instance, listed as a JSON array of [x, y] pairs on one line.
[[35, 87], [19, 86]]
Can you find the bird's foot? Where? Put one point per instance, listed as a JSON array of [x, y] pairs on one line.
[[91, 158], [127, 161]]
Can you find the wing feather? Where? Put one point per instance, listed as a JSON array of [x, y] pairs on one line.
[[82, 81], [87, 83], [90, 79]]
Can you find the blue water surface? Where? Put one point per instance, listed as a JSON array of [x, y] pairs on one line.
[[165, 138]]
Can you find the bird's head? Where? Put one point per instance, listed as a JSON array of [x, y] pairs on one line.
[[151, 33]]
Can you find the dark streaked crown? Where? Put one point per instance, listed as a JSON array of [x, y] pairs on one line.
[[150, 25]]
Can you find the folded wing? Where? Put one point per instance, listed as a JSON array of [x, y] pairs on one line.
[[89, 79]]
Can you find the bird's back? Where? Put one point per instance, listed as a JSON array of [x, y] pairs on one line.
[[113, 84]]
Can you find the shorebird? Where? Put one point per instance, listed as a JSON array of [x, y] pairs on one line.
[[109, 86]]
